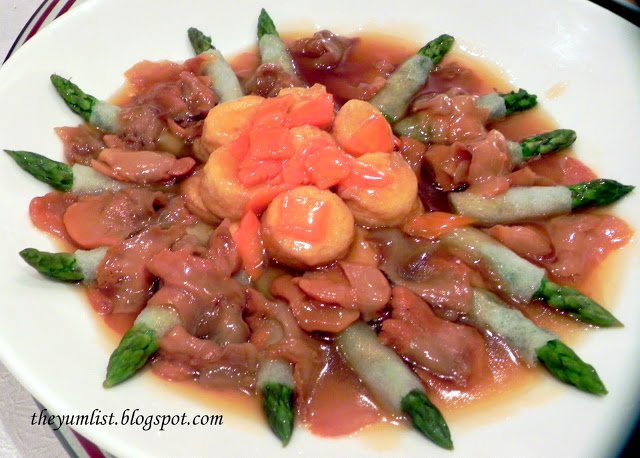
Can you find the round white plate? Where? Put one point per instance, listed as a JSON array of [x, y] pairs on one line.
[[52, 342]]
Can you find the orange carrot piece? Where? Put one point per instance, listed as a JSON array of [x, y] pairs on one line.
[[270, 143], [249, 243], [434, 224], [273, 112], [316, 112], [261, 199], [327, 166], [373, 136]]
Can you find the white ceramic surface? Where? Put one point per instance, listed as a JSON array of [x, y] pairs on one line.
[[53, 344]]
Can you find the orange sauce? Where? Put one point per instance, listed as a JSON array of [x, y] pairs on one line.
[[338, 394]]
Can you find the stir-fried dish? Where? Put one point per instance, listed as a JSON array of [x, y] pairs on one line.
[[344, 230]]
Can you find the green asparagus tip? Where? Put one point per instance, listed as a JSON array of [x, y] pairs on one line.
[[58, 266], [549, 142], [199, 41], [426, 418], [278, 407], [135, 348], [76, 99], [566, 366], [54, 173], [597, 193], [519, 101], [575, 304], [266, 25], [437, 48]]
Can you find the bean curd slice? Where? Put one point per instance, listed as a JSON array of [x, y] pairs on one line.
[[307, 227], [379, 206]]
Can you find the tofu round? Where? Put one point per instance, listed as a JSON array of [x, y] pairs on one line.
[[221, 192], [307, 227], [227, 120], [388, 205]]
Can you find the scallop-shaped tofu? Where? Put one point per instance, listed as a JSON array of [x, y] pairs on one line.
[[190, 190], [382, 206], [360, 128], [227, 120], [307, 227], [221, 191]]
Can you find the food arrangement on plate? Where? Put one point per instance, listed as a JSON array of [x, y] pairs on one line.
[[325, 225]]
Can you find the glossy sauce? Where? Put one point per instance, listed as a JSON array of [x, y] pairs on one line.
[[338, 394]]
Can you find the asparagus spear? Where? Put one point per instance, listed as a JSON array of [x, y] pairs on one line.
[[574, 303], [63, 177], [272, 48], [597, 193], [548, 142], [96, 112], [224, 81], [78, 266], [139, 343], [521, 280], [418, 125], [275, 379], [531, 202], [392, 382], [394, 98], [533, 344]]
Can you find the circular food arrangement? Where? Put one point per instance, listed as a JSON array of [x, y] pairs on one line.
[[328, 223]]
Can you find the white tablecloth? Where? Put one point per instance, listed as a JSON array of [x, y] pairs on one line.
[[18, 438]]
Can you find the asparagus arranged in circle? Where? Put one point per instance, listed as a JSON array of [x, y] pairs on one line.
[[81, 265], [78, 178], [272, 49], [531, 202], [532, 343], [96, 112], [275, 380], [394, 98], [139, 343], [498, 105], [224, 80], [521, 280], [392, 382]]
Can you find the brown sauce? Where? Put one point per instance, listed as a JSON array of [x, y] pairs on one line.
[[505, 380]]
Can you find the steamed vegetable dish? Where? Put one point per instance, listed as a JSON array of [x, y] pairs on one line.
[[348, 231]]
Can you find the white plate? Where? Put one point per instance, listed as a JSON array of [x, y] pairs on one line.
[[51, 341]]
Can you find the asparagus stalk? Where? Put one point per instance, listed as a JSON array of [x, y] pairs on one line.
[[575, 304], [78, 178], [272, 48], [96, 112], [81, 265], [139, 343], [224, 80], [418, 125], [392, 382], [532, 343], [531, 202], [275, 379], [546, 143], [394, 98], [521, 280], [597, 193]]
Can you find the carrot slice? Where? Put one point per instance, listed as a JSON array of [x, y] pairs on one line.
[[262, 198], [317, 111], [327, 166], [373, 136], [434, 224], [249, 243], [270, 143], [273, 112]]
